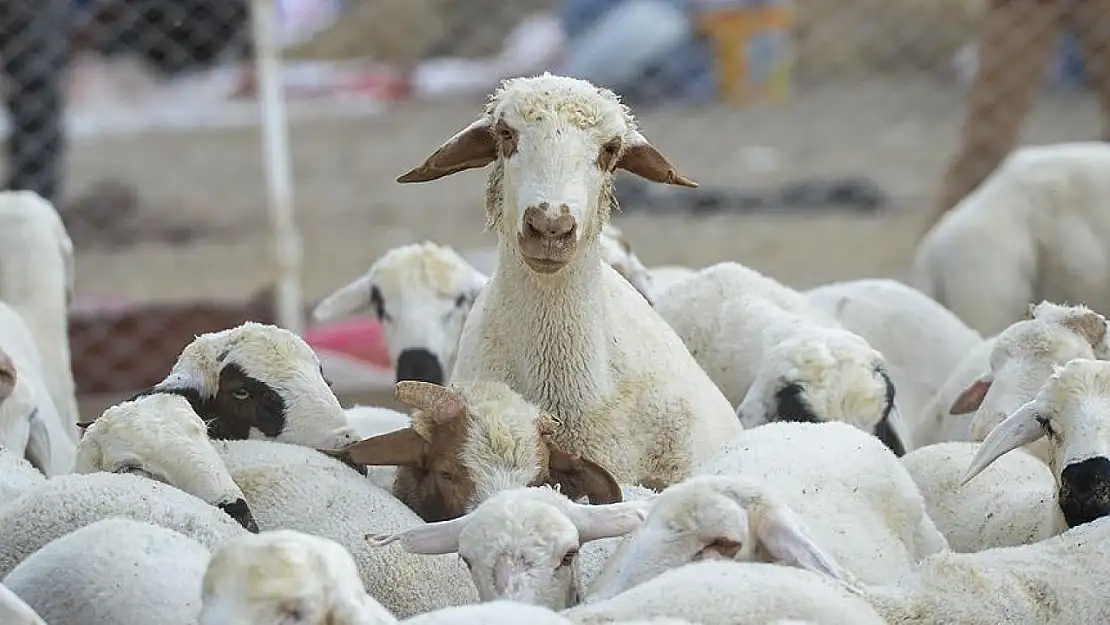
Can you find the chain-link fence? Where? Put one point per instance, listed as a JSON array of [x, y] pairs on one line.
[[826, 134]]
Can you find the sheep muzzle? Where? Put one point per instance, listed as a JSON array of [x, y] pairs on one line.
[[548, 242]]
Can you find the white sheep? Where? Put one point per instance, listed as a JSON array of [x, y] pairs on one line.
[[116, 571], [37, 280], [525, 544], [15, 611], [1013, 502], [920, 340], [617, 252], [555, 322], [727, 593], [1034, 228], [421, 294], [258, 381], [821, 496], [777, 357], [16, 475], [30, 422]]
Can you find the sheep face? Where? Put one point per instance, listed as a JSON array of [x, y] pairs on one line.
[[160, 437], [555, 143], [288, 578], [521, 544], [618, 254], [421, 294], [712, 518], [465, 445], [831, 376], [258, 381], [1071, 412]]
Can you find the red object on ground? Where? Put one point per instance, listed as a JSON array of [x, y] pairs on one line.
[[362, 339]]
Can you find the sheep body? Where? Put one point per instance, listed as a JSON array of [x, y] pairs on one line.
[[115, 571], [15, 611], [491, 613], [16, 475], [1036, 227]]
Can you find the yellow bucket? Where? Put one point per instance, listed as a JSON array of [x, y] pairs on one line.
[[751, 46]]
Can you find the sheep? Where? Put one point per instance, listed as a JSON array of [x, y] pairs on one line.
[[1069, 412], [524, 544], [157, 436], [15, 611], [288, 577], [617, 253], [821, 496], [726, 593], [779, 358], [16, 475], [470, 441], [492, 613], [556, 323], [67, 502], [421, 294], [1013, 502], [37, 280], [370, 421], [921, 341], [258, 381], [30, 423], [116, 571], [1033, 229]]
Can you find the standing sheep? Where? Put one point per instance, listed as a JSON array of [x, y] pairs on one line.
[[421, 294], [556, 323], [1035, 229]]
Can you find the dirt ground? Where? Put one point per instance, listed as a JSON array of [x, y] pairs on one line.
[[899, 133]]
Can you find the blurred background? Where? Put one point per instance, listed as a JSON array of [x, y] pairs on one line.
[[827, 136]]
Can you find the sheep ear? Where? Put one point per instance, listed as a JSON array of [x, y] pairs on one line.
[[7, 375], [1020, 428], [577, 476], [888, 434], [427, 539], [641, 158], [609, 520], [472, 147], [972, 397], [782, 537], [1087, 324], [345, 300], [404, 447]]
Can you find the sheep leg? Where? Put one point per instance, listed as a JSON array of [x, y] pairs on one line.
[[1015, 41], [1089, 21]]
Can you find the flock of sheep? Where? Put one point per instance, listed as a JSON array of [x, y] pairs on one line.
[[592, 441]]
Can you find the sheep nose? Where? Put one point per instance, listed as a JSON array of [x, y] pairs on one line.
[[540, 224], [419, 364], [1085, 491]]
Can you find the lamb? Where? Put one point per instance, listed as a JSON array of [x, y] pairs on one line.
[[30, 423], [37, 280], [921, 341], [528, 544], [421, 294], [115, 571], [1035, 227], [821, 496], [257, 380], [726, 593], [556, 323], [783, 359], [617, 253], [15, 611]]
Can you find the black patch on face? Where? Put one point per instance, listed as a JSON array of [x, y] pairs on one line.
[[1085, 491], [792, 406], [241, 512], [419, 364], [883, 430]]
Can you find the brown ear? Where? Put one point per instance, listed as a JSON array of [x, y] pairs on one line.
[[641, 158], [578, 476], [402, 447], [1090, 325], [971, 398], [473, 146], [7, 375]]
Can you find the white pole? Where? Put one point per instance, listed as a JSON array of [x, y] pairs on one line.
[[279, 173]]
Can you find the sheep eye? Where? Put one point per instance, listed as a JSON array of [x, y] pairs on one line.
[[241, 394], [568, 559], [460, 301], [378, 303]]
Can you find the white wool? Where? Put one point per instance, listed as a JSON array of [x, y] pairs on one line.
[[921, 341], [557, 324], [1035, 228], [374, 421], [492, 613], [421, 293], [16, 475], [727, 593], [15, 611], [283, 363], [116, 571], [37, 280], [1013, 502], [826, 497], [287, 577], [67, 502], [30, 423], [651, 282]]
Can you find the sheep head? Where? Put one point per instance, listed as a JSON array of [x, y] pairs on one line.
[[465, 445], [421, 294], [555, 143]]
